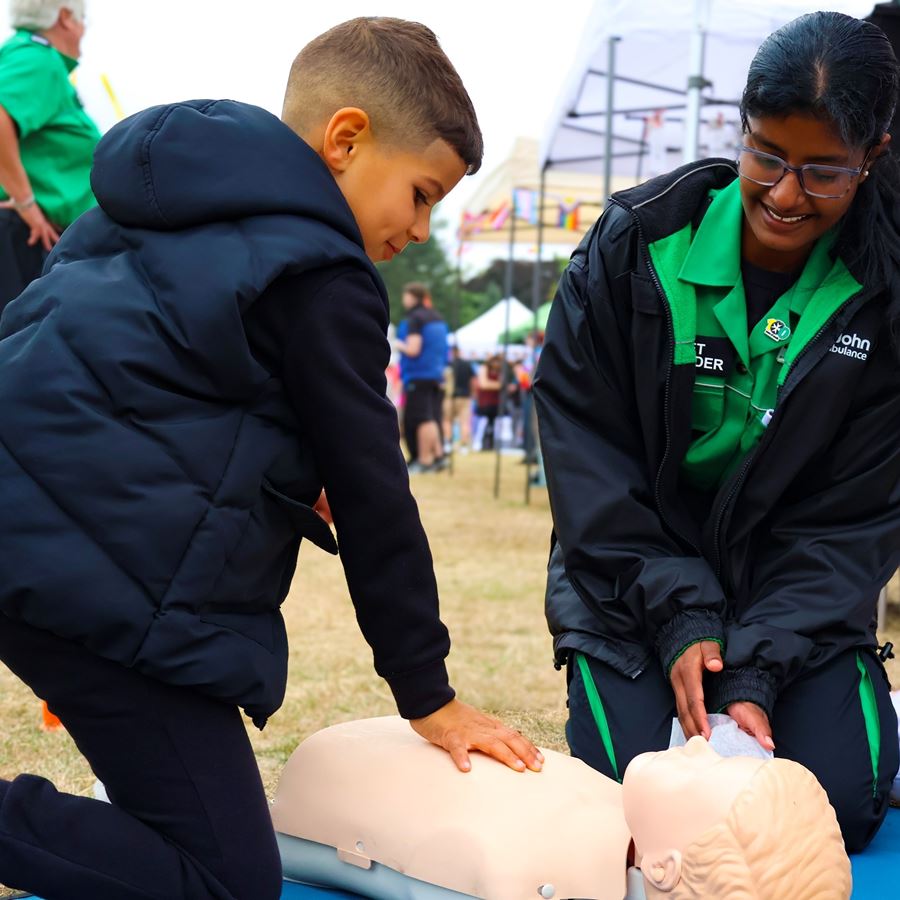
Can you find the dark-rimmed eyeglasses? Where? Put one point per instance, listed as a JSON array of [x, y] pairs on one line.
[[826, 182]]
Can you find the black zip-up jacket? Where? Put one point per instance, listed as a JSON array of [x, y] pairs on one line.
[[787, 567]]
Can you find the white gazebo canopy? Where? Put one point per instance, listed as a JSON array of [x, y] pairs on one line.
[[483, 335], [657, 50]]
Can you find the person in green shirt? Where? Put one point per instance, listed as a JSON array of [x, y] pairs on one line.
[[47, 140], [719, 408]]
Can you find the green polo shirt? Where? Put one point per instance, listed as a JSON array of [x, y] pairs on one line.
[[56, 136], [738, 370]]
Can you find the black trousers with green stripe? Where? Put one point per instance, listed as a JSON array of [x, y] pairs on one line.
[[837, 720]]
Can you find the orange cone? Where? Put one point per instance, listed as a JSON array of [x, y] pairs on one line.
[[49, 722]]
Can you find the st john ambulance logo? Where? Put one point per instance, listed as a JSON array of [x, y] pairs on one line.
[[777, 330], [852, 345]]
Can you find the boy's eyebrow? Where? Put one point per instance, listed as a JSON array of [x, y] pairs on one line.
[[436, 186]]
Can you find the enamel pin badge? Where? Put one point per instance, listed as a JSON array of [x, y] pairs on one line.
[[777, 330]]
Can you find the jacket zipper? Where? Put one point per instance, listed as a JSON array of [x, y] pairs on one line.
[[666, 395], [782, 394]]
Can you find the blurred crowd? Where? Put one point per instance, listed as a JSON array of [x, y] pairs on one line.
[[451, 400]]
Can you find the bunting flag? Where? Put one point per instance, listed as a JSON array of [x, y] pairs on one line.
[[568, 214], [527, 202], [497, 219], [470, 225]]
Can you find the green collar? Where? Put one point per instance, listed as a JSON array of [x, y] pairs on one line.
[[715, 257], [26, 36]]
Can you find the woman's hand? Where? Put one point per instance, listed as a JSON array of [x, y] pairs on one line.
[[752, 719], [458, 728], [686, 678]]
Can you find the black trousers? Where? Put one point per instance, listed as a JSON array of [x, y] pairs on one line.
[[189, 817], [818, 721], [424, 403], [19, 263]]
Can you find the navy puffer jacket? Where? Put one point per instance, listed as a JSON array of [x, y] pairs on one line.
[[154, 484]]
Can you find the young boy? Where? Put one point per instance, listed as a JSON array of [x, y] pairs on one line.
[[205, 352]]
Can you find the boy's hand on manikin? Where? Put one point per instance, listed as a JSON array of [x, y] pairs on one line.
[[686, 679], [459, 728], [752, 719]]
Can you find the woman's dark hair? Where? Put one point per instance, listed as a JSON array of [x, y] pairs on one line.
[[844, 71]]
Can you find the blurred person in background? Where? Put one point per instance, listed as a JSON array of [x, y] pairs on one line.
[[422, 340], [459, 403], [525, 375], [488, 384], [47, 140]]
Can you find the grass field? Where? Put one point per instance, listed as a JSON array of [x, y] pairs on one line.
[[489, 557]]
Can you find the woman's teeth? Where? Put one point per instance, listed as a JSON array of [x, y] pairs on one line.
[[789, 219]]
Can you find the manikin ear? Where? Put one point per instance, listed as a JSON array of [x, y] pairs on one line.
[[343, 134], [662, 870]]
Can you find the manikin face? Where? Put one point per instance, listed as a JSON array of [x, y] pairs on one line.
[[392, 192], [671, 798], [783, 222]]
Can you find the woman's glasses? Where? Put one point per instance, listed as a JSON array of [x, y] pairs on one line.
[[827, 182]]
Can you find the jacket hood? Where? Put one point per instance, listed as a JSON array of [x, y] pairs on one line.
[[202, 161]]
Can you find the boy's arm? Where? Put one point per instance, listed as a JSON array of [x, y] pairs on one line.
[[334, 361]]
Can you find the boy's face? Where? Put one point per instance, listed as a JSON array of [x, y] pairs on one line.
[[391, 191]]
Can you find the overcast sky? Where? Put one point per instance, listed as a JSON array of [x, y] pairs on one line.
[[512, 56]]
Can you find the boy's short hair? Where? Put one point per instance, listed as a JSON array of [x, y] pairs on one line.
[[397, 73], [39, 15], [418, 290]]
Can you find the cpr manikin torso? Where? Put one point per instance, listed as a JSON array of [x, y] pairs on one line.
[[378, 792], [406, 824]]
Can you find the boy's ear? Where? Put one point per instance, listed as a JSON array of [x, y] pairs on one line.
[[345, 130]]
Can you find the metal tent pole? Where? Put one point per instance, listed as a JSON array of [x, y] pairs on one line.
[[501, 409], [610, 100], [535, 305], [696, 81], [457, 315]]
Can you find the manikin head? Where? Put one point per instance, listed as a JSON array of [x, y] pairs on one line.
[[708, 826], [381, 104]]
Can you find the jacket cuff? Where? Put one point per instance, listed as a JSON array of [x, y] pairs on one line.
[[422, 691], [686, 628], [746, 683]]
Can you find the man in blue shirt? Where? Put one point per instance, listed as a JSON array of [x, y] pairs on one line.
[[423, 345]]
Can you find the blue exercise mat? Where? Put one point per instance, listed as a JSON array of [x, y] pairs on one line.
[[303, 892], [876, 873]]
